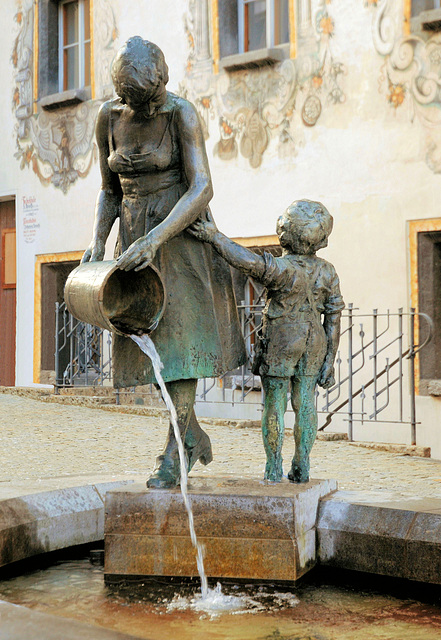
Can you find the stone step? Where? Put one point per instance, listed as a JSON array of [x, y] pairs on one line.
[[400, 449], [79, 400]]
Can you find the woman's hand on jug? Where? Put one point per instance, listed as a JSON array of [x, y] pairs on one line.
[[140, 253], [94, 252]]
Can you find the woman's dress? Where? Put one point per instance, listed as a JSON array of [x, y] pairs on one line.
[[199, 334]]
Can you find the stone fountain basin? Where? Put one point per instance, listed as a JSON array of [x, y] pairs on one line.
[[378, 532]]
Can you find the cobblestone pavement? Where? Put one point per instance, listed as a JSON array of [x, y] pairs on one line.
[[46, 441]]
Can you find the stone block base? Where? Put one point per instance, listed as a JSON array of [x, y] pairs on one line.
[[250, 530]]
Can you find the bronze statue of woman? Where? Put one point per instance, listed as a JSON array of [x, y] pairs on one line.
[[156, 180]]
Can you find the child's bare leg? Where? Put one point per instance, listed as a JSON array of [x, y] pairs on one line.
[[273, 424], [305, 427]]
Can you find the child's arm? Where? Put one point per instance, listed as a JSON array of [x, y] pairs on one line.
[[333, 307], [331, 325], [239, 257]]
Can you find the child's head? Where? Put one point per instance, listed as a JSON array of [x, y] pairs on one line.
[[304, 227]]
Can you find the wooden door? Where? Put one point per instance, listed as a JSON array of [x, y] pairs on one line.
[[7, 293]]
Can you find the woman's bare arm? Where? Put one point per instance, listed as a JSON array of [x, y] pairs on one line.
[[108, 202]]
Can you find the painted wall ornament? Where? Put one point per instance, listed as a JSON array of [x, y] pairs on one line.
[[58, 146], [411, 74], [256, 107]]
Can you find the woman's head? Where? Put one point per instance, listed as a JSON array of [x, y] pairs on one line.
[[304, 227], [139, 74]]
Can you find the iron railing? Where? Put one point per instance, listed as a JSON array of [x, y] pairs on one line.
[[375, 370], [375, 366], [82, 351], [371, 380]]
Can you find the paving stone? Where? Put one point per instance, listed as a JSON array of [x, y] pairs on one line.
[[44, 440]]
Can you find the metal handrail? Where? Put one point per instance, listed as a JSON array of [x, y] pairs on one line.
[[85, 348]]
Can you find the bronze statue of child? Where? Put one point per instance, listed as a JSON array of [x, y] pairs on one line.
[[300, 329]]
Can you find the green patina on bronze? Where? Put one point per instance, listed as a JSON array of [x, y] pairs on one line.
[[156, 181], [300, 331]]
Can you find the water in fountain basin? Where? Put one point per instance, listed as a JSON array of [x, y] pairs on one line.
[[212, 599]]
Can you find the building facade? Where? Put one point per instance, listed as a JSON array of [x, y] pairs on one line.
[[330, 100]]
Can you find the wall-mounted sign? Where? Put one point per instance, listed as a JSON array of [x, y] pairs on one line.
[[31, 224]]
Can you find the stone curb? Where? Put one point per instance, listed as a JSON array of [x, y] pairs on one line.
[[402, 449], [332, 437], [42, 522], [380, 533]]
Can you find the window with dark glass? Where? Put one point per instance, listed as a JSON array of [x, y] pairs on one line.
[[425, 16], [429, 297], [262, 24], [64, 52], [424, 5], [74, 44]]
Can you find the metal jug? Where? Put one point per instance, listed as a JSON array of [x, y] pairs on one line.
[[125, 302]]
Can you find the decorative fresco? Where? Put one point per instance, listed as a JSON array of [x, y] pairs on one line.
[[410, 77], [254, 107], [58, 145]]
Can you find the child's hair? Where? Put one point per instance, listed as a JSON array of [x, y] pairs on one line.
[[313, 223]]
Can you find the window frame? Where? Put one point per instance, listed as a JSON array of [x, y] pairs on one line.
[[420, 23], [81, 43], [414, 228], [438, 2], [46, 91], [270, 25], [8, 259]]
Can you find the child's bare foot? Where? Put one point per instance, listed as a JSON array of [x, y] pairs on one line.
[[298, 474], [273, 470]]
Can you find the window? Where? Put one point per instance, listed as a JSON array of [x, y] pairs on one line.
[[425, 16], [74, 44], [425, 281], [254, 33], [64, 52], [429, 297], [262, 24], [418, 6]]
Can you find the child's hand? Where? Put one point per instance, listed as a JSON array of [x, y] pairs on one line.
[[326, 378], [203, 229]]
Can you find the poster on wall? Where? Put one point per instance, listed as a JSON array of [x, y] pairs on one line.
[[31, 224]]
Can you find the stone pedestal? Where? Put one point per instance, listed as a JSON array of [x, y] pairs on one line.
[[250, 530]]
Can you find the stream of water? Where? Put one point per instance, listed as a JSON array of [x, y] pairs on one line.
[[211, 599]]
